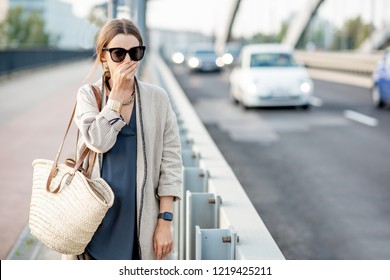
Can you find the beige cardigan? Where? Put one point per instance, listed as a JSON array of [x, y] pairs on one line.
[[159, 166]]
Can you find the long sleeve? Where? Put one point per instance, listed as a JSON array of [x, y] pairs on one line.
[[99, 130], [171, 167]]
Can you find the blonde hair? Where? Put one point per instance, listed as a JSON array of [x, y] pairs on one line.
[[108, 32]]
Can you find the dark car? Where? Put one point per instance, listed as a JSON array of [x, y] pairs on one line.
[[204, 59], [380, 92]]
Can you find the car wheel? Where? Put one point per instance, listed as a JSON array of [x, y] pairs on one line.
[[233, 99], [243, 105], [306, 106], [376, 97]]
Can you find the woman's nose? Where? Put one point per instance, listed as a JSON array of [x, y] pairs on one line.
[[127, 58]]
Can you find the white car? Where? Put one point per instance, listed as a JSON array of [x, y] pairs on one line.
[[267, 75]]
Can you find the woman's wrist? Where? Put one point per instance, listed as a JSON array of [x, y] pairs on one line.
[[117, 95], [120, 91], [114, 105], [164, 223]]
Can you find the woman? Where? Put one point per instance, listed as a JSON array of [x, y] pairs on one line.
[[136, 137]]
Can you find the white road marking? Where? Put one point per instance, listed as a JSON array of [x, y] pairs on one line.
[[361, 118]]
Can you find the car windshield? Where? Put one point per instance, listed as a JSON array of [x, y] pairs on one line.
[[204, 52], [272, 60]]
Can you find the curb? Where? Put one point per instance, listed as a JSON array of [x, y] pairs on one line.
[[27, 247]]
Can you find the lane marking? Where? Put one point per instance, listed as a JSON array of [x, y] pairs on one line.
[[361, 118], [316, 102]]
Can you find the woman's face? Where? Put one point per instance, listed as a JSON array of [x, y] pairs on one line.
[[125, 41]]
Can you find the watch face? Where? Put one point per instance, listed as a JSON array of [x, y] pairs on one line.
[[167, 216]]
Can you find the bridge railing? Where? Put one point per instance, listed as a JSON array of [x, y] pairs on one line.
[[349, 62], [352, 62], [19, 59], [215, 219]]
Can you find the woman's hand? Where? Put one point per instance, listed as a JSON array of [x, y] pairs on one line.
[[162, 240], [123, 80]]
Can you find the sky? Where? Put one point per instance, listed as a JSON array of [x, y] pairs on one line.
[[207, 16], [210, 16], [82, 7]]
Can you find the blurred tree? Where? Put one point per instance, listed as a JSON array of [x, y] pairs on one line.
[[96, 19], [21, 30], [282, 32], [352, 34], [313, 37], [260, 38], [322, 34], [270, 38]]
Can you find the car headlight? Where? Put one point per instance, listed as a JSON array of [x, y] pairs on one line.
[[249, 87], [305, 87], [252, 88], [178, 58], [219, 62], [256, 89], [193, 62], [227, 58]]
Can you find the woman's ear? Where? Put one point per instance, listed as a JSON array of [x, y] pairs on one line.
[[103, 57]]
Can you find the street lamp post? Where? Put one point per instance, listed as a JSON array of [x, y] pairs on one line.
[[112, 8]]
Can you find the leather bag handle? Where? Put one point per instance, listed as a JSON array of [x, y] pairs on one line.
[[92, 155], [54, 169]]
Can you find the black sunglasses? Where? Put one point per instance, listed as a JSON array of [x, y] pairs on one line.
[[119, 54]]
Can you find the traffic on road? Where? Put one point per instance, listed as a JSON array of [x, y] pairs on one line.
[[319, 178]]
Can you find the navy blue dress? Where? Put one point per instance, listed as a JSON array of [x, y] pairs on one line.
[[116, 237]]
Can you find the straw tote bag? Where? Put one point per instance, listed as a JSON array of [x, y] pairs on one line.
[[66, 205]]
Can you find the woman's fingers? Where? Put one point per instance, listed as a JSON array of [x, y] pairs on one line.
[[125, 72], [162, 249], [128, 67]]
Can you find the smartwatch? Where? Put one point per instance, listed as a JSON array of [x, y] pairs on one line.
[[168, 216]]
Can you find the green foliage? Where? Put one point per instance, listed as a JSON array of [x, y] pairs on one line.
[[23, 30], [349, 37], [282, 33], [353, 33], [96, 20], [260, 38]]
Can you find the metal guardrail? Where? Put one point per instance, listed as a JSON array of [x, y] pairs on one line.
[[16, 60], [350, 62], [215, 219]]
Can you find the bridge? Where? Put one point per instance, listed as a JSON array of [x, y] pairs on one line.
[[364, 58], [272, 184]]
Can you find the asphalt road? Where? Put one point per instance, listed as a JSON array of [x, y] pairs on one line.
[[319, 179]]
